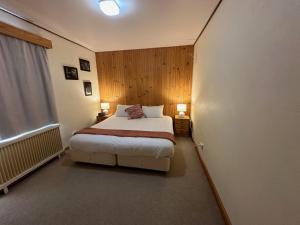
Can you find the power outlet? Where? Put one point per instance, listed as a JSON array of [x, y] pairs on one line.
[[201, 146]]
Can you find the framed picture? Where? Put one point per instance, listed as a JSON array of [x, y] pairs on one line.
[[71, 73], [87, 85], [84, 65]]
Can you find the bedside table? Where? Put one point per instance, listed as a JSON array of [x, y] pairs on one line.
[[101, 118], [182, 126]]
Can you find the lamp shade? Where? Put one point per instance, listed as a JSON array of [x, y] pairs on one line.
[[104, 105], [181, 107]]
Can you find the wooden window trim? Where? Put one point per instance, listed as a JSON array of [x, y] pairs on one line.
[[18, 33]]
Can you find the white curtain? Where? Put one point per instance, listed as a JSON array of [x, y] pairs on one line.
[[26, 96]]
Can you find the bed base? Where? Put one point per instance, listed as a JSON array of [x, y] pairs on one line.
[[160, 164], [143, 162], [94, 157]]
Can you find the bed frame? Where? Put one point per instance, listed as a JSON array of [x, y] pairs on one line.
[[143, 162]]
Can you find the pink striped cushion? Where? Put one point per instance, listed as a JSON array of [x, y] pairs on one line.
[[135, 112]]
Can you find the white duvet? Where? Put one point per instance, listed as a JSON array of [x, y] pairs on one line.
[[131, 146]]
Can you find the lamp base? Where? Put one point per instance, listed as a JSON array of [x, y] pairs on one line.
[[181, 114], [105, 111]]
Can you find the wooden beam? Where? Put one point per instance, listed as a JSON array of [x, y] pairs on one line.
[[18, 33]]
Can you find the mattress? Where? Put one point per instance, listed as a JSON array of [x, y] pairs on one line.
[[128, 146]]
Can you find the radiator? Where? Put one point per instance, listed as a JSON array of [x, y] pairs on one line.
[[22, 156]]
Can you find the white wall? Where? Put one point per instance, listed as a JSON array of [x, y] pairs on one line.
[[246, 108], [75, 110]]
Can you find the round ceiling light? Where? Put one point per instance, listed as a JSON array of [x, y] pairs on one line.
[[109, 7]]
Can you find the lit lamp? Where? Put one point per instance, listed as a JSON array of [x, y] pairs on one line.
[[181, 108], [109, 7], [105, 107]]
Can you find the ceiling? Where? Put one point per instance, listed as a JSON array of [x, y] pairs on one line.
[[141, 23]]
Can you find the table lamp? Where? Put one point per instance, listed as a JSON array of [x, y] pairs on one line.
[[181, 108], [105, 107]]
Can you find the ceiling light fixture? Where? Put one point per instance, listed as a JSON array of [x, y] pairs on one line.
[[109, 7]]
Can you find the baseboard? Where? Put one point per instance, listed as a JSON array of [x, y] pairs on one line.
[[214, 190]]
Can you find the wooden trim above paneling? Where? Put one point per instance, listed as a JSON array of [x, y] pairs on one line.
[[209, 19], [18, 33]]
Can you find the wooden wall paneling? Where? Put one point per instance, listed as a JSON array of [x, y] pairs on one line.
[[147, 76]]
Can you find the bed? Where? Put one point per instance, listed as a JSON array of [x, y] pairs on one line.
[[139, 152]]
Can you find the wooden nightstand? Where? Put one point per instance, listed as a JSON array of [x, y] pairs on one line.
[[182, 126], [101, 118]]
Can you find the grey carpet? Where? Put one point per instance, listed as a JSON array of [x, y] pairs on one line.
[[65, 193]]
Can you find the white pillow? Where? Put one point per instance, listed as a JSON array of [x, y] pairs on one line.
[[120, 112], [153, 111]]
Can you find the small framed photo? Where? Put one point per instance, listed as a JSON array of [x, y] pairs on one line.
[[87, 85], [71, 73], [84, 65]]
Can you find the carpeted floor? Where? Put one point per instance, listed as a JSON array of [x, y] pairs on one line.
[[64, 193]]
